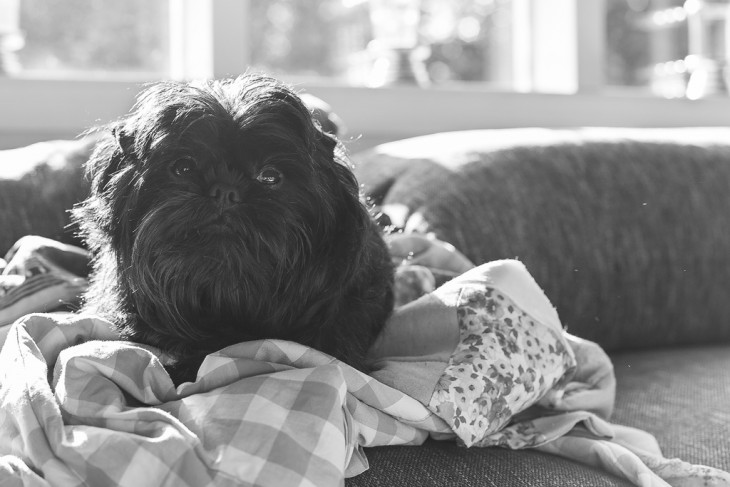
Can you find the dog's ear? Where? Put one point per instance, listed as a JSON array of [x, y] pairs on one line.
[[322, 113], [111, 153], [329, 147], [351, 215], [111, 170]]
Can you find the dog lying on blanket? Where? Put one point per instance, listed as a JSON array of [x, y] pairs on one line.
[[220, 213], [458, 361], [462, 361]]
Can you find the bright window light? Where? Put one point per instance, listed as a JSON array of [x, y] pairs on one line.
[[72, 38], [672, 48], [67, 65], [348, 41], [669, 48]]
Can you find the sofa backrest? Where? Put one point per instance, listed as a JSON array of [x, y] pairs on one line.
[[627, 231]]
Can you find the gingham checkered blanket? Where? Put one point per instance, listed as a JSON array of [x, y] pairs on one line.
[[262, 413], [79, 407]]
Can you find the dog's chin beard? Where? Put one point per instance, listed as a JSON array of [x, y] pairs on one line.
[[194, 276]]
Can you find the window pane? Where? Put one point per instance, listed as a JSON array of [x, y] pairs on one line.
[[380, 41], [676, 48], [64, 37]]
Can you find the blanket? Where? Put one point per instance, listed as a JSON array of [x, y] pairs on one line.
[[39, 274], [482, 360]]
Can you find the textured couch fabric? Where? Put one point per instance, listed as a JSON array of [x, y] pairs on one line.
[[682, 397], [438, 463], [38, 185], [626, 231]]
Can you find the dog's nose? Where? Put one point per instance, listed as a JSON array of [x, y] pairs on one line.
[[225, 195]]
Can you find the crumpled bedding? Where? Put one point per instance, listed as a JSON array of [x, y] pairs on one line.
[[482, 360], [40, 275]]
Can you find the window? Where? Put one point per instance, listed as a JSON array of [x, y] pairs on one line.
[[675, 48], [672, 48], [66, 65], [61, 38], [375, 43]]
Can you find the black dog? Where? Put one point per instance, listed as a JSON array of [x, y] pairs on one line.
[[220, 213]]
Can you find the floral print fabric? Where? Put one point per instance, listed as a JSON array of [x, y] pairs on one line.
[[505, 362]]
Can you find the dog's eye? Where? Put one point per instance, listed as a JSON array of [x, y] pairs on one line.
[[270, 176], [183, 167]]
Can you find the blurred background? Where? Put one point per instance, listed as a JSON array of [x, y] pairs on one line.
[[390, 68]]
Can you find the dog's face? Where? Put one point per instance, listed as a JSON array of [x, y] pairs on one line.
[[220, 213]]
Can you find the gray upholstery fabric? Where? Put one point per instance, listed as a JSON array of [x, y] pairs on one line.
[[38, 185], [628, 237], [444, 464], [681, 396]]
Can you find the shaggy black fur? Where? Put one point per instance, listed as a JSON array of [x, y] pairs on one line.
[[220, 213]]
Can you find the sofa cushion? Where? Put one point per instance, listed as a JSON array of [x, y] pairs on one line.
[[682, 397], [625, 230], [439, 463]]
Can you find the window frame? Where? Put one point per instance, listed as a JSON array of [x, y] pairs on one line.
[[39, 109]]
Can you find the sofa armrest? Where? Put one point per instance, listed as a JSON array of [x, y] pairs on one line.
[[38, 185]]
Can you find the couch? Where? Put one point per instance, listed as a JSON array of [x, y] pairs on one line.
[[625, 230]]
